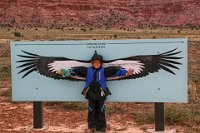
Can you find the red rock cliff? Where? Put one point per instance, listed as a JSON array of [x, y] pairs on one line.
[[99, 13]]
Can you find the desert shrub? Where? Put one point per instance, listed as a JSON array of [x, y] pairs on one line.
[[17, 34], [177, 115], [5, 71], [67, 105], [115, 36], [115, 109], [143, 117], [83, 29], [174, 115], [7, 93], [75, 105]]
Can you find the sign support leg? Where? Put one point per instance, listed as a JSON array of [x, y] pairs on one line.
[[159, 117], [37, 114]]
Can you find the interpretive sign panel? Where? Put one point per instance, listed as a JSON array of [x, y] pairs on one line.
[[160, 69]]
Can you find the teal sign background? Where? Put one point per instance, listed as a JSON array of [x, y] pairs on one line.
[[156, 87]]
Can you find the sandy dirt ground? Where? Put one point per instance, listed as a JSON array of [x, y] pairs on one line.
[[17, 117]]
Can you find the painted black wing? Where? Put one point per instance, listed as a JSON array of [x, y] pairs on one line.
[[47, 66], [146, 64]]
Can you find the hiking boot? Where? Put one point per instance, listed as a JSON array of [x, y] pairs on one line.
[[93, 130]]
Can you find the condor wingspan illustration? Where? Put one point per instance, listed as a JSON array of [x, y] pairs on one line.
[[142, 65]]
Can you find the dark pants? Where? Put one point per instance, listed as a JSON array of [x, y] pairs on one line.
[[96, 115]]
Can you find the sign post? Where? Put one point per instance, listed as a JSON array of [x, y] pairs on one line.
[[159, 117], [37, 114]]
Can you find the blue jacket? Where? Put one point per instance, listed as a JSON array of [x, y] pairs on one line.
[[100, 76]]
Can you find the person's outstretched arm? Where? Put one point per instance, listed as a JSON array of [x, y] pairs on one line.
[[116, 71], [76, 71]]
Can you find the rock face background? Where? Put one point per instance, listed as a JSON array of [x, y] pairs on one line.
[[99, 13]]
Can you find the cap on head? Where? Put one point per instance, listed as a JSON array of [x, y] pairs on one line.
[[96, 57]]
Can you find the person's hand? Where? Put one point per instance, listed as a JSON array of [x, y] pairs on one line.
[[58, 72], [130, 72]]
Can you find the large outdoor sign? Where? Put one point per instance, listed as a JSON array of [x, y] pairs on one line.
[[160, 69]]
